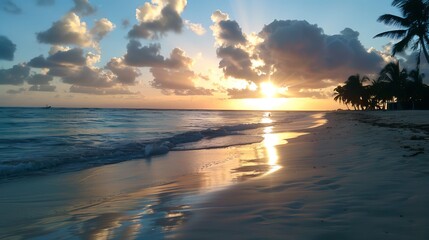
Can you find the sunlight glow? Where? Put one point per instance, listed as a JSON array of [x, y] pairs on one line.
[[268, 89]]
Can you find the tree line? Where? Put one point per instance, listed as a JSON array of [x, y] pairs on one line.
[[398, 88], [405, 89]]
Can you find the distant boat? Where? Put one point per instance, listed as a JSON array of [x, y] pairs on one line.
[[47, 107]]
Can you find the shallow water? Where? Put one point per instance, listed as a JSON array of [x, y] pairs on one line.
[[40, 141], [147, 197]]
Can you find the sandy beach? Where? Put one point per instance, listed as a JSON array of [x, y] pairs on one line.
[[363, 175]]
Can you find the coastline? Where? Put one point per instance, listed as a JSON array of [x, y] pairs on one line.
[[361, 176], [142, 198]]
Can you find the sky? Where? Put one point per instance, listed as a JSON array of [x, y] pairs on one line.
[[187, 54]]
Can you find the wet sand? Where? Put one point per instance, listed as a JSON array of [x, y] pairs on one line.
[[139, 199], [360, 176]]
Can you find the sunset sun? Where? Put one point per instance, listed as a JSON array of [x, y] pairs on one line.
[[268, 89]]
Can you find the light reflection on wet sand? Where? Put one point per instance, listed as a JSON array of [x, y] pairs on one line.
[[133, 210]]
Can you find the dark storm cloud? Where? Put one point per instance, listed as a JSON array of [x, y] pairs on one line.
[[169, 20], [68, 30], [10, 7], [236, 62], [83, 7], [7, 48], [125, 75], [15, 75], [45, 2]]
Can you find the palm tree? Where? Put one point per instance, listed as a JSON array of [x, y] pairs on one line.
[[397, 80], [415, 86], [354, 91], [339, 95], [414, 23], [380, 95]]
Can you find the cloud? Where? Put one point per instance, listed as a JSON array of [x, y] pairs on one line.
[[158, 18], [100, 91], [83, 7], [15, 75], [125, 23], [195, 27], [101, 28], [226, 32], [292, 54], [63, 62], [243, 93], [236, 62], [73, 56], [177, 82], [146, 56], [45, 2], [90, 77], [10, 7], [42, 88], [17, 91], [39, 79], [303, 56], [150, 56], [174, 76], [125, 75], [55, 69], [234, 50], [68, 30], [7, 48]]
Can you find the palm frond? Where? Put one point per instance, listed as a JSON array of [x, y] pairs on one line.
[[393, 20], [395, 34], [402, 45]]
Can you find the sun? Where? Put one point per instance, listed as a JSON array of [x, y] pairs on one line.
[[268, 89]]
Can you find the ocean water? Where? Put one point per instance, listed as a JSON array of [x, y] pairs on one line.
[[57, 180], [43, 141]]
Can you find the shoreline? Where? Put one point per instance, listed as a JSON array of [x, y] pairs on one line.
[[347, 179], [146, 197]]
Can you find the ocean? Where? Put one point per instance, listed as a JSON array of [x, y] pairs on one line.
[[74, 173], [42, 141]]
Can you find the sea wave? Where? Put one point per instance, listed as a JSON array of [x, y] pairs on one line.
[[73, 158]]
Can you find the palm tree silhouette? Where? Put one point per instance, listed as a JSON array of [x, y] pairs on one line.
[[397, 81], [414, 23], [355, 91], [340, 96]]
